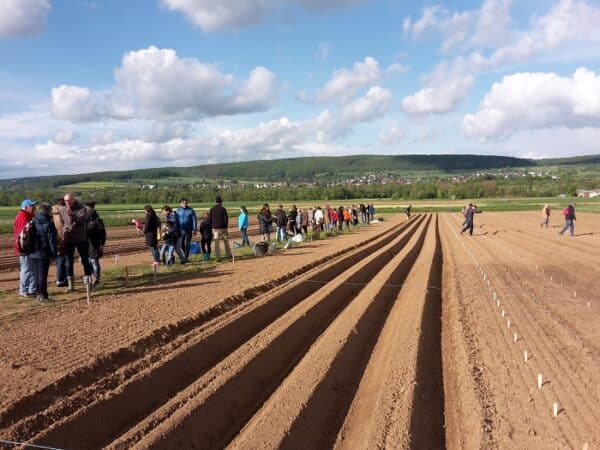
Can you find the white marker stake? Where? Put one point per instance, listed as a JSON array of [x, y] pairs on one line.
[[116, 260], [539, 380], [494, 296], [498, 303], [555, 409], [515, 337], [550, 278], [588, 304], [525, 355], [574, 293], [508, 324], [503, 313]]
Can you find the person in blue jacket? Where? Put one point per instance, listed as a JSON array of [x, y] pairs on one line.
[[243, 225], [189, 225], [46, 249]]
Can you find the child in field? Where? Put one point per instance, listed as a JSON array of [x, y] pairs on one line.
[[545, 216], [205, 237], [139, 226]]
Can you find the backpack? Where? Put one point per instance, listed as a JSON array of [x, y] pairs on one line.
[[566, 211], [27, 239]]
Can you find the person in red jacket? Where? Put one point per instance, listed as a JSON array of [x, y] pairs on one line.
[[27, 287]]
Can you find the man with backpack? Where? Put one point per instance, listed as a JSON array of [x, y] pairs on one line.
[[73, 218], [569, 214], [23, 222]]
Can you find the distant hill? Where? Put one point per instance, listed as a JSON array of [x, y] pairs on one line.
[[304, 169]]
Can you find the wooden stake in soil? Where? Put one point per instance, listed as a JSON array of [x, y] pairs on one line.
[[126, 273], [525, 355], [116, 260], [514, 337], [498, 303], [539, 380], [503, 313], [87, 288], [555, 409], [155, 271], [508, 324], [588, 304]]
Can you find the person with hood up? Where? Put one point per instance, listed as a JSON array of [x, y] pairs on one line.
[[46, 249], [97, 240], [152, 233]]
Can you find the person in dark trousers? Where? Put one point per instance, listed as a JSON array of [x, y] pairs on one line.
[[265, 222], [469, 213], [243, 225], [152, 233], [27, 286], [173, 234], [97, 239], [45, 249], [206, 234], [569, 213], [219, 221], [408, 208], [292, 215], [189, 225], [61, 259], [73, 218]]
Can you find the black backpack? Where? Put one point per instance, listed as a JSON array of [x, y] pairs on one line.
[[27, 239]]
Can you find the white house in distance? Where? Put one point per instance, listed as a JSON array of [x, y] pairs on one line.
[[583, 193]]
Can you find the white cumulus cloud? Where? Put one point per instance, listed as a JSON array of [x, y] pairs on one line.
[[344, 83], [73, 103], [373, 105], [526, 101], [391, 135], [22, 17]]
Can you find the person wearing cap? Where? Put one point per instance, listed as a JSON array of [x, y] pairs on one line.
[[45, 249], [27, 287]]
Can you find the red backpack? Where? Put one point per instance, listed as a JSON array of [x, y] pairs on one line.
[[566, 211]]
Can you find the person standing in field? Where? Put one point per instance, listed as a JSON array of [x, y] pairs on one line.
[[219, 221], [61, 259], [408, 208], [73, 218], [206, 234], [27, 287], [302, 221], [265, 222], [243, 225], [469, 214], [172, 236], [45, 249], [545, 216], [97, 239], [318, 218], [569, 213], [281, 221], [152, 233], [189, 225], [292, 216]]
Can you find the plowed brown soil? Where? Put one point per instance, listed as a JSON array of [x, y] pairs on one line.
[[393, 336]]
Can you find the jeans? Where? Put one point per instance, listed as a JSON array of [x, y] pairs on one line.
[[186, 240], [83, 250], [570, 224], [155, 253], [546, 222], [61, 269], [281, 232], [40, 268], [95, 263], [244, 233], [205, 246], [166, 254], [179, 249], [26, 275], [221, 234], [468, 226]]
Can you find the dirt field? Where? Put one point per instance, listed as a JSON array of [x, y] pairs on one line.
[[399, 335]]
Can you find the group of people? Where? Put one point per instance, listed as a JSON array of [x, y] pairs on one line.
[[181, 225], [298, 220], [58, 230], [568, 214]]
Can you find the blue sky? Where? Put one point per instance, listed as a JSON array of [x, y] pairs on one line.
[[88, 85]]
